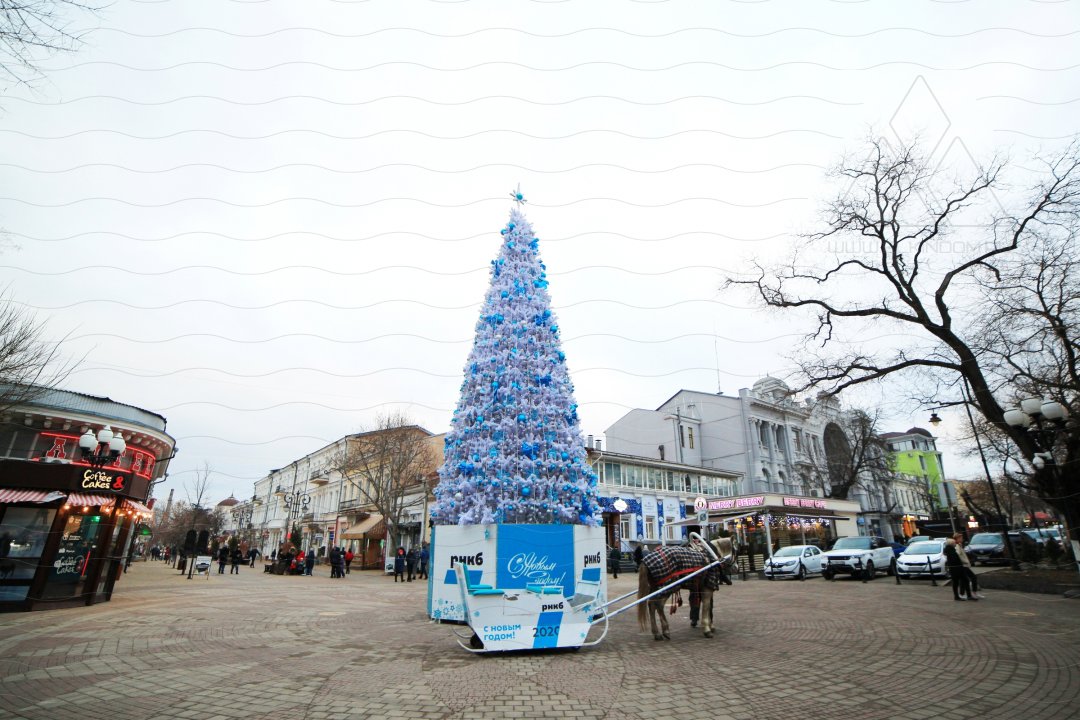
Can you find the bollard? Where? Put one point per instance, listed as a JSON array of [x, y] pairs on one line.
[[930, 567]]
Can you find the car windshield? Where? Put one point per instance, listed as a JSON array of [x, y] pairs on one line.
[[986, 539], [924, 548], [788, 552], [852, 543]]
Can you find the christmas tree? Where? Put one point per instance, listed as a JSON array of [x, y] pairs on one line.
[[514, 452]]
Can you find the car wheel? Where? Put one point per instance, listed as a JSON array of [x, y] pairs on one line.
[[802, 573], [869, 569]]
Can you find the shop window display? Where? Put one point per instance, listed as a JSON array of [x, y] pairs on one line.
[[23, 532]]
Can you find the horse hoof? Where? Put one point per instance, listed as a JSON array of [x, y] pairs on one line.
[[666, 636], [658, 637], [709, 634], [693, 624]]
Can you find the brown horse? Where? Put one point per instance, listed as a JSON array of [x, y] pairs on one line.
[[666, 565]]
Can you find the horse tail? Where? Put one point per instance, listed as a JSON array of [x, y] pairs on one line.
[[642, 591]]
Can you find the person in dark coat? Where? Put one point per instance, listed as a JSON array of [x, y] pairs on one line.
[[614, 559], [309, 562], [335, 558], [399, 565], [222, 558], [411, 559], [424, 557], [961, 586], [638, 555], [253, 553], [236, 557]]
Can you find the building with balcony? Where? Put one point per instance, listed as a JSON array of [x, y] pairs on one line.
[[69, 518], [333, 496], [760, 443]]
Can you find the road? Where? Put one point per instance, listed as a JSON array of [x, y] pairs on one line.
[[258, 646]]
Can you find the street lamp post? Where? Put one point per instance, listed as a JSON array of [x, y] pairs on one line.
[[295, 505], [1009, 550], [103, 449], [1044, 421]]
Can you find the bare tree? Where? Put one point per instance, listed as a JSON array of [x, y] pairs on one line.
[[888, 274], [856, 457], [30, 365], [31, 30], [389, 466]]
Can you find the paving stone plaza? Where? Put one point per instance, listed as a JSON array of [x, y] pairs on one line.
[[259, 646]]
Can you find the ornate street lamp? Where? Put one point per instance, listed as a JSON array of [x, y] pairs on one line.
[[1045, 421], [104, 449], [295, 505]]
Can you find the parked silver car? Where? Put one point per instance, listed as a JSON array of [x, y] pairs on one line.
[[796, 561]]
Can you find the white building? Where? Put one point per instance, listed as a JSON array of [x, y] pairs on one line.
[[771, 446]]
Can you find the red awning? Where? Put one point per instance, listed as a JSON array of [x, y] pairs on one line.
[[137, 507], [11, 495], [89, 500]]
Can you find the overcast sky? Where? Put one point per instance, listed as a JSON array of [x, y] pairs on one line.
[[270, 221]]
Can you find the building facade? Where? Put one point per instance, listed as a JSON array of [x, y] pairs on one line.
[[69, 521], [770, 446], [326, 505]]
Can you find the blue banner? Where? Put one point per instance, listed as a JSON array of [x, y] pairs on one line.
[[536, 555]]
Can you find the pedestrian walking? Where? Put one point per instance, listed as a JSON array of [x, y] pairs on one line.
[[973, 579], [614, 558], [340, 562], [222, 558], [273, 555], [399, 564], [309, 562], [411, 559], [638, 555], [252, 555], [961, 586], [236, 557], [424, 557], [335, 558], [348, 559]]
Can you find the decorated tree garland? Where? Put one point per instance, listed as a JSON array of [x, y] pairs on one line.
[[514, 452]]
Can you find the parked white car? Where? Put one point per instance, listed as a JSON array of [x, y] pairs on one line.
[[922, 559], [795, 561], [858, 556]]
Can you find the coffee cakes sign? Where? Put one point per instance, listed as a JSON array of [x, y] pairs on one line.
[[101, 480]]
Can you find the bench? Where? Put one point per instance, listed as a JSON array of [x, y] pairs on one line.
[[545, 589]]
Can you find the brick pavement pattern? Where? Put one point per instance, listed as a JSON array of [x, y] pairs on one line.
[[268, 647]]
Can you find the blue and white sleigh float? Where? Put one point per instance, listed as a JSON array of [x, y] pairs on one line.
[[509, 613]]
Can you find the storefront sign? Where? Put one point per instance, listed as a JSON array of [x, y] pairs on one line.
[[805, 502], [742, 502], [101, 480]]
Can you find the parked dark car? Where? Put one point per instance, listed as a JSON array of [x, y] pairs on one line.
[[986, 548]]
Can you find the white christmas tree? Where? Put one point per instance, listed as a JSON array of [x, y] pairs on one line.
[[514, 452]]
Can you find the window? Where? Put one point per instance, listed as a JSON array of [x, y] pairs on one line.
[[682, 436], [22, 540], [626, 526], [650, 527], [632, 476], [922, 462], [691, 433], [612, 473], [671, 533]]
